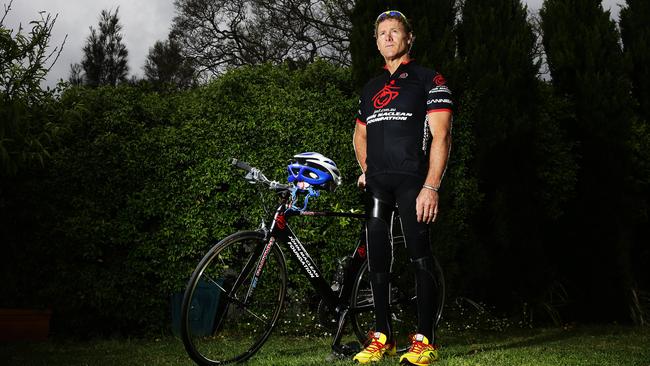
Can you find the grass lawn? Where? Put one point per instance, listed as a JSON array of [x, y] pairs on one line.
[[602, 345]]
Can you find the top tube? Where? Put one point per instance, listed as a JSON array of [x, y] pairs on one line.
[[331, 214]]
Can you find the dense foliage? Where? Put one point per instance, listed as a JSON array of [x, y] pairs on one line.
[[27, 117], [587, 69], [165, 66], [129, 202], [635, 30], [520, 160]]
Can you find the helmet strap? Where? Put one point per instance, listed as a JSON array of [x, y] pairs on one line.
[[311, 192]]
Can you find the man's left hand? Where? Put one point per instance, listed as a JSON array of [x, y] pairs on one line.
[[426, 205]]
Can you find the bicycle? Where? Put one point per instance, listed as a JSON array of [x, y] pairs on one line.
[[247, 270]]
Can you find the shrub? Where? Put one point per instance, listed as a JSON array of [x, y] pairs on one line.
[[130, 196]]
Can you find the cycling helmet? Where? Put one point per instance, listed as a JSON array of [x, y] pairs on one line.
[[313, 169]]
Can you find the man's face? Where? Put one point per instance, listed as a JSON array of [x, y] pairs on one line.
[[392, 39]]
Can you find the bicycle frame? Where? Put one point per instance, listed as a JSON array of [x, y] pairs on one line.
[[280, 232]]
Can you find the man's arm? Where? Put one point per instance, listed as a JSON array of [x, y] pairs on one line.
[[360, 142], [440, 126], [427, 201]]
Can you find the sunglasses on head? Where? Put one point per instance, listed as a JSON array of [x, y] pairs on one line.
[[391, 13]]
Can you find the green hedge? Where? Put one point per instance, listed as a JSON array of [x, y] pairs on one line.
[[130, 198]]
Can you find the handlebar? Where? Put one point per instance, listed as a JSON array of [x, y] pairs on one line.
[[254, 175], [241, 165]]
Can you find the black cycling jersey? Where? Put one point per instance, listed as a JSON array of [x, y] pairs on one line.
[[394, 109]]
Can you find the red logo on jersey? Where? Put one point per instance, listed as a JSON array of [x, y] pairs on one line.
[[439, 80], [385, 95]]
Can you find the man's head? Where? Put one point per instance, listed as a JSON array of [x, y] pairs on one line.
[[393, 33], [393, 14]]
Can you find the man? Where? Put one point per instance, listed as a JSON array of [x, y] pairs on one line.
[[402, 140]]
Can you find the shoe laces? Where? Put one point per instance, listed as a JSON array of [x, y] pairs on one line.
[[419, 346], [375, 345]]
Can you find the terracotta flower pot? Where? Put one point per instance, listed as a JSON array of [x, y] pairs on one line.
[[24, 324]]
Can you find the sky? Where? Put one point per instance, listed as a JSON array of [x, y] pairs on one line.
[[144, 22]]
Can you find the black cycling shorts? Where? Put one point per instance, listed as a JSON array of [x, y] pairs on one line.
[[401, 190]]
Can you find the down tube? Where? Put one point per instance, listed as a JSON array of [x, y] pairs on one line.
[[309, 269]]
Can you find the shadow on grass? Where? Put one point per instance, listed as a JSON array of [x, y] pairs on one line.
[[503, 342]]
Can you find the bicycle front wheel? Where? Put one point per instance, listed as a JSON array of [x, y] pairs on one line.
[[233, 299]]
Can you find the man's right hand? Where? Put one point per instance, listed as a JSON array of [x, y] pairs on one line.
[[361, 182]]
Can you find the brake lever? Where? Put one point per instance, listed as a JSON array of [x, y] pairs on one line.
[[254, 176]]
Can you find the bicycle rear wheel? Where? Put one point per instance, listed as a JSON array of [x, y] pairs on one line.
[[246, 308], [402, 302]]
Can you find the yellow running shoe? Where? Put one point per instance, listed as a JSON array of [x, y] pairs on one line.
[[421, 352], [377, 347]]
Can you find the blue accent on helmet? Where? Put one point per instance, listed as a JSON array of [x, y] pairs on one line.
[[304, 173], [311, 169]]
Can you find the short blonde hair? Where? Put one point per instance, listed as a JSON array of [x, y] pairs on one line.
[[393, 14]]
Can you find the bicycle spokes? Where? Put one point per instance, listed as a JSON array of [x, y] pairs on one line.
[[243, 318]]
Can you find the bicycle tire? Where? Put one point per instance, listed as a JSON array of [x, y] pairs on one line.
[[403, 304], [243, 318]]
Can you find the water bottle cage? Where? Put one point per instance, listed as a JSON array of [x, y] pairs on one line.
[[310, 192]]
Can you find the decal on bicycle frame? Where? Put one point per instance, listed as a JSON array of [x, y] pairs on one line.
[[362, 250], [260, 266], [281, 221], [301, 254]]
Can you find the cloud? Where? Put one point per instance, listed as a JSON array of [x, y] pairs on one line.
[[144, 22]]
